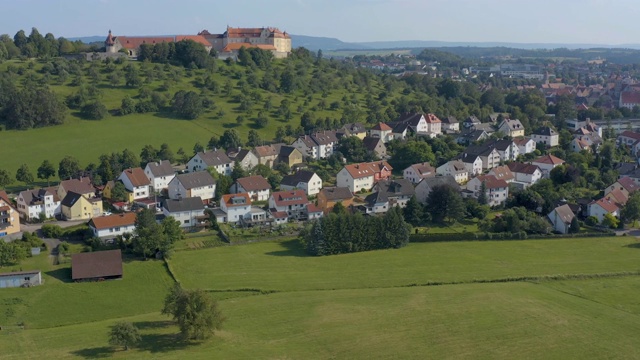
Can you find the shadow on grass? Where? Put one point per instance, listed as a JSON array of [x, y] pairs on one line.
[[229, 125], [143, 325], [291, 248], [95, 353], [63, 274], [162, 343], [635, 245]]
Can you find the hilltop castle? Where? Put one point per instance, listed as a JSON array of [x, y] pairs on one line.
[[227, 44]]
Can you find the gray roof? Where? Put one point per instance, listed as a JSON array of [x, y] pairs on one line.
[[301, 176], [545, 131], [501, 145], [287, 150], [337, 193], [324, 137], [196, 179], [564, 213], [215, 158], [449, 120], [440, 180], [376, 198], [70, 199], [162, 168], [186, 204], [370, 143], [394, 188]]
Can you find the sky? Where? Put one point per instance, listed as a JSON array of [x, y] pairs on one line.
[[609, 22]]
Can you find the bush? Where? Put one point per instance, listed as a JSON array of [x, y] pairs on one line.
[[51, 231], [592, 221], [94, 111]]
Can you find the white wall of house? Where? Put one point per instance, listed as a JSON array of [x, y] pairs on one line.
[[549, 141], [257, 195], [558, 224], [160, 182], [49, 207], [178, 191], [596, 210], [344, 179], [528, 179], [197, 164], [235, 213], [313, 151], [113, 231], [139, 192], [378, 208], [528, 147], [186, 219]]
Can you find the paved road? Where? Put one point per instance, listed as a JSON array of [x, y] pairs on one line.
[[63, 224]]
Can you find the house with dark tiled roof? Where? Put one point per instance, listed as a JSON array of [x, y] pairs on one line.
[[546, 136], [108, 227], [196, 184], [328, 197], [470, 136], [375, 146], [488, 154], [82, 186], [511, 127], [525, 145], [496, 190], [398, 192], [159, 174], [629, 99], [450, 125], [354, 129], [471, 121], [507, 149], [502, 172], [525, 174], [256, 186], [78, 207], [217, 159], [267, 154], [318, 145], [424, 188], [455, 168], [561, 218], [305, 180], [244, 157], [32, 203], [136, 182], [189, 212], [96, 265], [290, 156]]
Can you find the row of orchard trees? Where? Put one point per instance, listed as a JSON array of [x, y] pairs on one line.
[[347, 233], [35, 45]]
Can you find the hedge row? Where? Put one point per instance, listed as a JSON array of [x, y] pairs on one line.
[[417, 238]]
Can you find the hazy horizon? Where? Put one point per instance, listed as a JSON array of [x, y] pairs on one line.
[[567, 22]]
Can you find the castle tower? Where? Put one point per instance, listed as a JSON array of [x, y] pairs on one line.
[[110, 43]]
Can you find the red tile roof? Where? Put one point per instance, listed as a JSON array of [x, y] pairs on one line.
[[254, 183], [607, 204], [491, 182], [130, 42], [382, 127], [523, 168], [197, 38], [628, 184], [136, 176], [361, 170], [293, 197], [431, 118], [549, 159], [630, 134], [312, 208], [630, 97], [229, 200], [115, 220]]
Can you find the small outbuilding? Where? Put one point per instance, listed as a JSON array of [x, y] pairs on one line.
[[20, 279], [96, 266]]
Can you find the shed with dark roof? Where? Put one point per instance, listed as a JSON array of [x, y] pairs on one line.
[[98, 265]]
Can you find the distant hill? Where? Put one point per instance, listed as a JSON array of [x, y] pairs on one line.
[[314, 43]]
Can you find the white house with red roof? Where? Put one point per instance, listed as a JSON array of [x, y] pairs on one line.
[[496, 190], [434, 125], [136, 182], [363, 176], [525, 174], [629, 99], [382, 131], [256, 186], [237, 206], [629, 138], [525, 145], [624, 184], [606, 205], [113, 225], [547, 163], [293, 202]]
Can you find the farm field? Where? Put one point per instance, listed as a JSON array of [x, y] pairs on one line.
[[352, 306]]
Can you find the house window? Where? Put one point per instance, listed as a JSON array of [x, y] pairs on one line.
[[27, 278], [186, 221], [117, 228]]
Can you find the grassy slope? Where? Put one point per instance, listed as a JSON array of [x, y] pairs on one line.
[[87, 140], [284, 266], [488, 321]]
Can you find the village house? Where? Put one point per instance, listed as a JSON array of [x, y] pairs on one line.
[[268, 154], [629, 99], [256, 186], [9, 216], [525, 145], [525, 174], [131, 44], [290, 155], [305, 180], [473, 163], [375, 203], [363, 176], [244, 157], [502, 173], [355, 129], [328, 197], [606, 205], [217, 159], [434, 125], [82, 186], [314, 212], [416, 172], [496, 190], [189, 212], [398, 192], [624, 184], [375, 146], [450, 125], [382, 131], [136, 182], [545, 136], [109, 227], [228, 44], [20, 279], [578, 145], [32, 203], [293, 202], [416, 121], [507, 149], [319, 145], [547, 163], [471, 136], [511, 127], [488, 154], [588, 138], [561, 218], [455, 168], [237, 206], [196, 184], [424, 188], [471, 121], [78, 207], [159, 175]]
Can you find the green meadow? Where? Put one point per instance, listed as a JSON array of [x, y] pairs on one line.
[[534, 299]]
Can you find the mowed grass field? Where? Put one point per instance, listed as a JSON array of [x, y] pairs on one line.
[[357, 306]]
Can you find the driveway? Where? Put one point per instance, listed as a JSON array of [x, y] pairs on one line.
[[62, 224]]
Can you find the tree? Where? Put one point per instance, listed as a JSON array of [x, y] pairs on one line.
[[196, 313], [230, 140], [5, 178], [94, 110], [124, 334], [68, 167], [165, 153], [413, 212], [128, 106], [411, 152], [482, 195], [339, 209], [254, 139], [631, 210], [187, 104], [352, 148], [610, 221], [574, 228], [46, 171], [119, 192], [444, 202], [24, 174], [212, 219]]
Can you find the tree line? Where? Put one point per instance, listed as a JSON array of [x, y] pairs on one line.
[[341, 232]]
